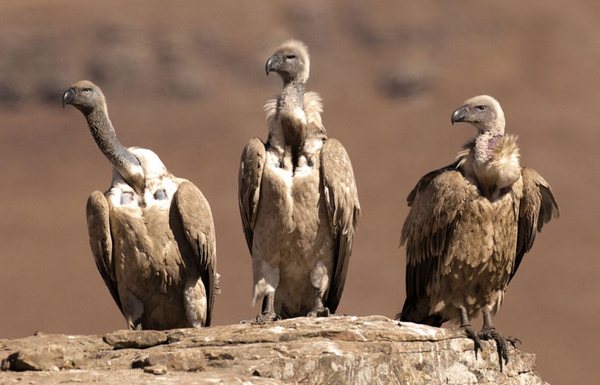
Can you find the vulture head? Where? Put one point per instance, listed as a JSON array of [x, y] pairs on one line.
[[483, 111], [85, 96], [290, 61]]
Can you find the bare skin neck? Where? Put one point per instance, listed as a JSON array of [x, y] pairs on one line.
[[485, 143], [290, 108], [494, 162], [122, 160]]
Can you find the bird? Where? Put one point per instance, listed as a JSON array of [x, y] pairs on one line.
[[151, 234], [469, 226], [298, 200]]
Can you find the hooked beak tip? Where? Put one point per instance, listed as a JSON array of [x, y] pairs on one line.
[[271, 65], [458, 115], [68, 97]]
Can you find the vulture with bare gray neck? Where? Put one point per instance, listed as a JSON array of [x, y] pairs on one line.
[[469, 226], [298, 200], [151, 233]]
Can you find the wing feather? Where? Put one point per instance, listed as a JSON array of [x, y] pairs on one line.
[[436, 204], [343, 208], [251, 169], [537, 207], [196, 218], [97, 213]]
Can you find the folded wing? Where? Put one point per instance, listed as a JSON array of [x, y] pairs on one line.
[[250, 176], [97, 214], [343, 208], [197, 221], [537, 207]]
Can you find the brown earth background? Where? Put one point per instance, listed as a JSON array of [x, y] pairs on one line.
[[186, 79]]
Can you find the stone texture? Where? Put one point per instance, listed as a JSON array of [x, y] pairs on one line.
[[180, 360], [48, 357], [141, 339], [336, 350]]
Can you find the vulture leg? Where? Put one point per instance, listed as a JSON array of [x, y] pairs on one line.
[[488, 332], [318, 310], [465, 324], [268, 310], [133, 309]]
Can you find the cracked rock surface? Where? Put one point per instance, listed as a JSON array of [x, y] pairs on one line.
[[336, 350]]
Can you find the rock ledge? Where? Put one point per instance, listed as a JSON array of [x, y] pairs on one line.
[[336, 350]]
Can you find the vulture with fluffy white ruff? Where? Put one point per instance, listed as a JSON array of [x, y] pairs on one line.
[[469, 226], [298, 200], [151, 233]]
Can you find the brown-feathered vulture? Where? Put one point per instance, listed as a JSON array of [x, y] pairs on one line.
[[151, 233], [469, 226], [298, 200]]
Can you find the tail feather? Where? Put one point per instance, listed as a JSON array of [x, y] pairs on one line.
[[411, 313]]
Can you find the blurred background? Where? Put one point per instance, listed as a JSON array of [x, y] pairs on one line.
[[186, 79]]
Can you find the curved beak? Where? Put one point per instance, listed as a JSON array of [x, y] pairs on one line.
[[272, 64], [459, 115], [68, 97]]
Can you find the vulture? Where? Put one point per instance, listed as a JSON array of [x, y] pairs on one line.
[[469, 226], [151, 233], [298, 200]]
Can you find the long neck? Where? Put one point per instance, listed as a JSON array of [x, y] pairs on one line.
[[486, 142], [494, 164], [291, 113], [104, 134], [292, 98]]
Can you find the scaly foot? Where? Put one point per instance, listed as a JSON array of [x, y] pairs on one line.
[[501, 343], [472, 335], [319, 312], [266, 317]]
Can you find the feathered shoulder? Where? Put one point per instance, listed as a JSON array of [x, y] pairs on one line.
[[313, 107]]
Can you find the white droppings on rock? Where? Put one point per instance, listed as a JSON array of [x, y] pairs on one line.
[[423, 330], [278, 329], [330, 347], [313, 351], [458, 373], [288, 370]]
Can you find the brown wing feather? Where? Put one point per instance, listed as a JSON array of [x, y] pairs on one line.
[[426, 179], [97, 213], [537, 207], [250, 176], [196, 218], [343, 208], [436, 204]]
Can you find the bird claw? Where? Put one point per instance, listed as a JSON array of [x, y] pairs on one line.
[[266, 317], [514, 341], [472, 335], [501, 345], [319, 312]]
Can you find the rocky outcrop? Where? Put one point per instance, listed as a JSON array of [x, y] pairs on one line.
[[336, 350]]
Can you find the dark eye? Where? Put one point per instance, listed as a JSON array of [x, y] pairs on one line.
[[290, 57], [86, 90], [481, 108]]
